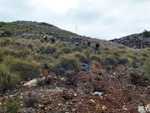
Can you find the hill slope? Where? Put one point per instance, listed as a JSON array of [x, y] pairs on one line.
[[37, 75], [28, 27]]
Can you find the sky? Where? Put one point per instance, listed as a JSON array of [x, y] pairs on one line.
[[103, 19]]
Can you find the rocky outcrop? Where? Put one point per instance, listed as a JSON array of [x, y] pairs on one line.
[[137, 41]]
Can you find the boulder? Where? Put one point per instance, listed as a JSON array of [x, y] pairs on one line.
[[33, 82], [141, 109]]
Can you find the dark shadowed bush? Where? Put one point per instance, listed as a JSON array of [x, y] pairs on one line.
[[6, 33], [134, 65], [110, 61], [30, 100], [95, 58], [139, 79], [123, 61]]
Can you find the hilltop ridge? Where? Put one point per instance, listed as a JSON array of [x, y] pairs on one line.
[[29, 27]]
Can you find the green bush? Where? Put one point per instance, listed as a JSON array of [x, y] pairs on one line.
[[26, 70], [80, 56], [49, 49], [66, 50], [8, 80], [95, 58], [21, 53], [62, 51], [67, 62], [3, 23]]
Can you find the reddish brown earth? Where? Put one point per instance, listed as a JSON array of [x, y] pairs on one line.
[[74, 93]]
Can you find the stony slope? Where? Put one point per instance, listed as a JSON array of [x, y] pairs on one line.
[[75, 93]]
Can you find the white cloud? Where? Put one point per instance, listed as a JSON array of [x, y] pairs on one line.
[[96, 18]]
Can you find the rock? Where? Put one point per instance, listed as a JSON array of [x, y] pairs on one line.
[[31, 83], [141, 109], [69, 72], [85, 67], [97, 93], [147, 108]]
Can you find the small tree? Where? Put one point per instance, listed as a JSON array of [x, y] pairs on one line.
[[146, 33]]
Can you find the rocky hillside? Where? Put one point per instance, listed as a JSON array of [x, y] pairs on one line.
[[139, 41], [40, 76]]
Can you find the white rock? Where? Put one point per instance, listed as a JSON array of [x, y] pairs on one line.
[[97, 93], [31, 83], [147, 108], [141, 109]]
